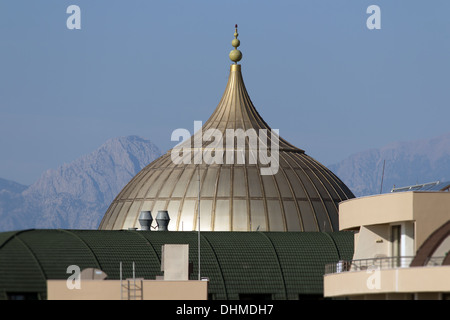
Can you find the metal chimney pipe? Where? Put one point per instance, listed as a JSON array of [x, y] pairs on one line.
[[162, 220], [145, 219]]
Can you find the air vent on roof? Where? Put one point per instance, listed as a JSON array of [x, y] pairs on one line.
[[145, 219], [162, 220]]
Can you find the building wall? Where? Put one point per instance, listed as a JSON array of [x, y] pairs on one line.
[[427, 205], [377, 209], [375, 241], [373, 282], [372, 241], [391, 226], [111, 290], [389, 209]]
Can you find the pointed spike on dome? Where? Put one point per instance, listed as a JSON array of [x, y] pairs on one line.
[[235, 55]]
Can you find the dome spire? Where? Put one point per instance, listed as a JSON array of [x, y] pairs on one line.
[[235, 55]]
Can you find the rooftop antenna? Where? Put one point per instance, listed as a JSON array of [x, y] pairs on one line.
[[198, 222], [382, 177], [121, 285], [134, 282]]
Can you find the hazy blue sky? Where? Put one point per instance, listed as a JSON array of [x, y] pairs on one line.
[[312, 68]]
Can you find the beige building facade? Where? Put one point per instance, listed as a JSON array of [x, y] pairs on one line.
[[401, 248], [134, 289], [92, 284]]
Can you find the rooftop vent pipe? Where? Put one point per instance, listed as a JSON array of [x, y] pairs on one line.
[[145, 219], [162, 220]]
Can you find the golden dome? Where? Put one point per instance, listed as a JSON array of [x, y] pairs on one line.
[[300, 195]]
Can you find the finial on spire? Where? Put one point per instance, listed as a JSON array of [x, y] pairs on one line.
[[235, 55]]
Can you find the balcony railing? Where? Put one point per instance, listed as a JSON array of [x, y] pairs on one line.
[[376, 264]]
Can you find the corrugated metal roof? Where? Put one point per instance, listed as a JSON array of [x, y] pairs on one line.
[[282, 264]]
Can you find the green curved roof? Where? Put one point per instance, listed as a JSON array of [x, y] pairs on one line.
[[282, 264]]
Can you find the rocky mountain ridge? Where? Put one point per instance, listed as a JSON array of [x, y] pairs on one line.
[[76, 194]]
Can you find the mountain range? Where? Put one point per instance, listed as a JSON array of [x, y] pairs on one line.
[[76, 195], [405, 163]]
